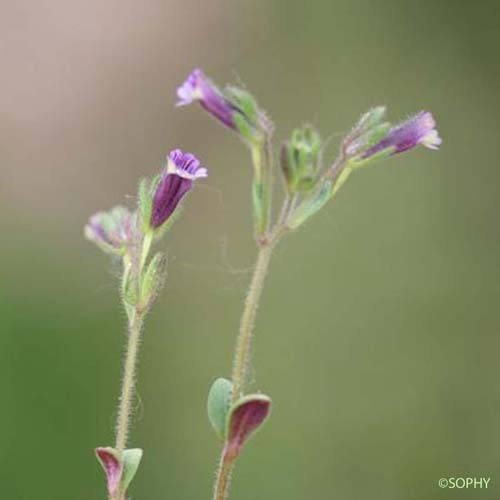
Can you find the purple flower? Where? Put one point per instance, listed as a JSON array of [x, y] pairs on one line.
[[417, 130], [112, 231], [177, 179], [197, 87]]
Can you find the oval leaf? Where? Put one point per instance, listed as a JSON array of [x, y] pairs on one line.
[[131, 461], [218, 401], [244, 418]]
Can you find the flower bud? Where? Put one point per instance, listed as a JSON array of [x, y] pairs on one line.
[[112, 231], [235, 108], [300, 159], [418, 130]]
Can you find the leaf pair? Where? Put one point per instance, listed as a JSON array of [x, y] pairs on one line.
[[120, 468], [235, 423]]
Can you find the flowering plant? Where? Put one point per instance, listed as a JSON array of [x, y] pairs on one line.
[[129, 236], [308, 186]]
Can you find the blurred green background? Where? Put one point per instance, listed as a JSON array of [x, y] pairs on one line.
[[378, 335]]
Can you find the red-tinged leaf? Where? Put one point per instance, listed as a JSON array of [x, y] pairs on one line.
[[112, 465], [244, 418]]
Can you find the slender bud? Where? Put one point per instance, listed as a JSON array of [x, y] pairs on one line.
[[235, 107], [418, 130]]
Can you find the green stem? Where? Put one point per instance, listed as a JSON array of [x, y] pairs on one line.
[[128, 382], [243, 343], [221, 489], [146, 247]]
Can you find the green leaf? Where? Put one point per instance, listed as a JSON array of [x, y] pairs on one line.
[[218, 401], [131, 461], [371, 118]]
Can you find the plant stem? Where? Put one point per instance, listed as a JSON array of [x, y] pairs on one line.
[[128, 382], [243, 343], [221, 488]]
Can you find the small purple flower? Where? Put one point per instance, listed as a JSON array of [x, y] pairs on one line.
[[197, 87], [177, 179], [417, 130], [113, 230]]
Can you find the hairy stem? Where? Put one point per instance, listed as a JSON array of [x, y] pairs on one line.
[[221, 489], [128, 382], [243, 343]]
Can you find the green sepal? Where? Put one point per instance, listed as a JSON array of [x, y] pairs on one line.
[[341, 179], [369, 139], [360, 162], [288, 167], [218, 401], [144, 200], [130, 292], [145, 197], [131, 460], [152, 279], [244, 102], [370, 119], [306, 184], [260, 206], [244, 128], [315, 202]]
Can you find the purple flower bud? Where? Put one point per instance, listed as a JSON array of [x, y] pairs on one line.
[[177, 179], [417, 130], [112, 230], [197, 87]]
